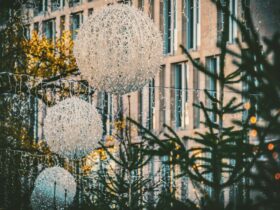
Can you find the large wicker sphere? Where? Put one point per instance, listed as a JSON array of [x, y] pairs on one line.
[[54, 188], [118, 49], [73, 128]]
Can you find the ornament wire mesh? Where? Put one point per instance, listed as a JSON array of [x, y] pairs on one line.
[[73, 128], [55, 188], [118, 49]]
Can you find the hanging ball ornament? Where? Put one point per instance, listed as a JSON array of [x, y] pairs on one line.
[[266, 17], [54, 188], [73, 128], [119, 49]]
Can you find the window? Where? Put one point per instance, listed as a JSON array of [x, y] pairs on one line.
[[151, 170], [165, 174], [191, 24], [152, 9], [108, 112], [184, 188], [232, 24], [245, 18], [140, 108], [41, 7], [57, 4], [90, 11], [162, 96], [26, 32], [35, 120], [168, 24], [227, 24], [62, 24], [73, 3], [140, 105], [196, 93], [141, 4], [179, 95], [212, 65], [161, 23], [36, 27], [76, 21], [106, 106], [150, 121], [146, 108], [49, 29], [135, 174]]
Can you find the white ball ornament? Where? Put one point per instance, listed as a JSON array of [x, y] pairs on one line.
[[266, 17], [119, 49], [73, 128], [55, 188]]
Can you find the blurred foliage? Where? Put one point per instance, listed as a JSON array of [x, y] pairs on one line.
[[16, 128], [120, 182], [235, 154], [12, 55], [28, 67]]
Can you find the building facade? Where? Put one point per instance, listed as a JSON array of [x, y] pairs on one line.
[[168, 98]]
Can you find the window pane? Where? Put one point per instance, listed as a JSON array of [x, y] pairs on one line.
[[49, 29], [211, 84], [196, 93], [167, 25], [162, 97], [150, 120], [76, 21], [179, 96]]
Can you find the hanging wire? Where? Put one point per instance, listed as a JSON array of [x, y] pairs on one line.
[[72, 82], [53, 94]]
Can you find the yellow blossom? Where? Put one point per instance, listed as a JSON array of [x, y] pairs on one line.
[[46, 58]]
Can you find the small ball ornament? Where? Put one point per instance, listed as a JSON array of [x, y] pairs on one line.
[[119, 49], [73, 128], [54, 188]]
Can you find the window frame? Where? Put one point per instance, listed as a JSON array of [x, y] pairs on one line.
[[191, 17], [74, 31], [53, 34], [211, 83], [168, 25], [180, 80]]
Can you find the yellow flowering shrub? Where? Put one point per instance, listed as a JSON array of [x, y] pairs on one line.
[[46, 58], [119, 125]]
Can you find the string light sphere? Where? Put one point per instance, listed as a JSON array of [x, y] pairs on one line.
[[73, 128], [119, 49], [54, 188]]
